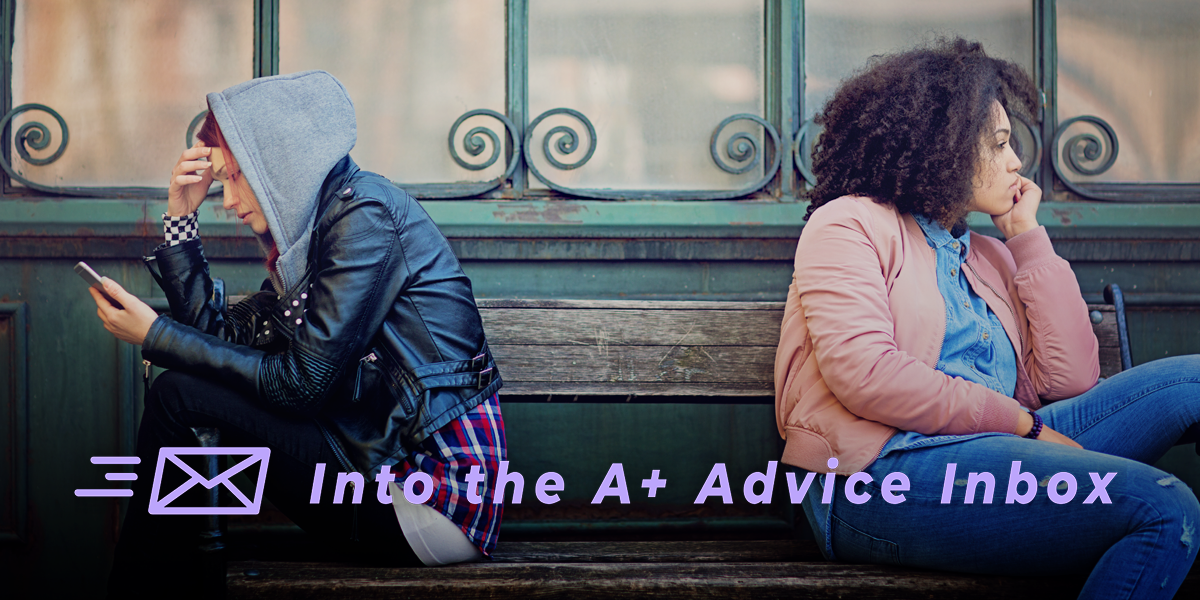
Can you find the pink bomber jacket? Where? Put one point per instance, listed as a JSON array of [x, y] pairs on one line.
[[863, 327]]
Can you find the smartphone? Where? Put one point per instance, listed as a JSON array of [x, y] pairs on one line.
[[93, 280]]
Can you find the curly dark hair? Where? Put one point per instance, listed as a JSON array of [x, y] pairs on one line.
[[907, 129]]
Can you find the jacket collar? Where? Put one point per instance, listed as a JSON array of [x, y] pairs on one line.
[[335, 183], [938, 237]]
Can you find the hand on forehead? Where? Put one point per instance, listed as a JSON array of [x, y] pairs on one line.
[[221, 165]]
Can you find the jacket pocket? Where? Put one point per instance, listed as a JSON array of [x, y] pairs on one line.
[[367, 378], [387, 379]]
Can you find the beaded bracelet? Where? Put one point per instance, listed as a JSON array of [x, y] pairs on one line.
[[1036, 430]]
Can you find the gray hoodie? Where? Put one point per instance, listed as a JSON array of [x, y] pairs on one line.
[[286, 133]]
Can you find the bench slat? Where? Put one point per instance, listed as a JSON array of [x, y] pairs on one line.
[[647, 580], [756, 393], [649, 348], [632, 364], [649, 327], [653, 552], [609, 323], [701, 305], [613, 570]]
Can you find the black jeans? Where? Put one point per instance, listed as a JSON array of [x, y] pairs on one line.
[[158, 555]]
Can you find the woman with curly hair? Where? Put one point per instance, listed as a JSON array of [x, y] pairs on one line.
[[949, 379]]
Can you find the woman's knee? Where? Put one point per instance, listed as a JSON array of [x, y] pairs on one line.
[[168, 390], [175, 395], [1184, 368], [1173, 383], [1172, 507], [1182, 509]]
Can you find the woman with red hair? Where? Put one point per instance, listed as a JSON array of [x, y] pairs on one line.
[[363, 353]]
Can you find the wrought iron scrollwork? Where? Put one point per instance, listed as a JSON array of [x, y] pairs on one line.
[[566, 141], [741, 147], [742, 153], [1029, 167], [802, 158], [474, 145], [745, 148], [190, 139], [1086, 148], [36, 136], [475, 142]]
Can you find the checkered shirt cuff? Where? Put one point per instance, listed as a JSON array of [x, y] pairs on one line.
[[181, 229]]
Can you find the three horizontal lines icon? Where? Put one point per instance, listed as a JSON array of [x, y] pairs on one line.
[[112, 493]]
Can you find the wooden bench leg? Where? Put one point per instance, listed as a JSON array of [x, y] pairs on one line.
[[1113, 296], [212, 540]]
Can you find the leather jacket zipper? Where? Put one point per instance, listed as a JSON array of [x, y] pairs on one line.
[[337, 450], [146, 380], [369, 358], [1020, 334]]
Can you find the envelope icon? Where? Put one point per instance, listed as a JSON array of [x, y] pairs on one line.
[[169, 458]]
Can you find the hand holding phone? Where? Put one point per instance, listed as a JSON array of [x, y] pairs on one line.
[[94, 280], [129, 319]]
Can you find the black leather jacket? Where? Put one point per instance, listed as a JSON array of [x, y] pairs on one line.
[[382, 343]]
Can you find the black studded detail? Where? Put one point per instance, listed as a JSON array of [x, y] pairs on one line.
[[295, 379], [242, 320]]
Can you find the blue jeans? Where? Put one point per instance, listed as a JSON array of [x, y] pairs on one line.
[[1140, 545]]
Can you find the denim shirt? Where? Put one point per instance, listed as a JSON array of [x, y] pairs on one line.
[[976, 347]]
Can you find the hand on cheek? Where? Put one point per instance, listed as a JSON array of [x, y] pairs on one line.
[[1023, 215]]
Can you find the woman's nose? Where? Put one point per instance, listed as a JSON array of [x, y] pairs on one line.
[[227, 199], [1014, 161]]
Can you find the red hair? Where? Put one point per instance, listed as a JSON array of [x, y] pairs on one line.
[[210, 134]]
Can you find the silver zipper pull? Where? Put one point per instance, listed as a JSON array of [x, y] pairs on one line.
[[369, 358], [147, 374]]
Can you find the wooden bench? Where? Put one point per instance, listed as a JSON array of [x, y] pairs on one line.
[[639, 352], [609, 570], [653, 351]]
